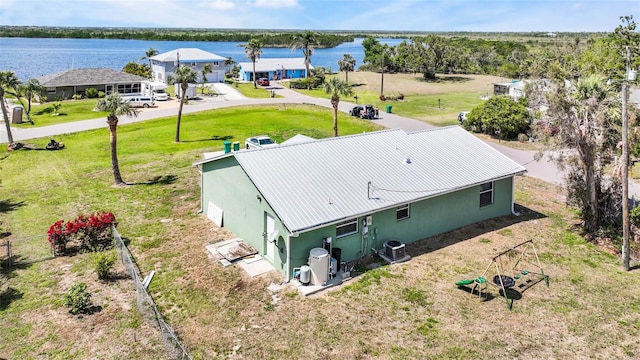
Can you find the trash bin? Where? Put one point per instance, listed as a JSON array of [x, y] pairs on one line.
[[388, 109], [227, 147], [236, 146], [16, 114]]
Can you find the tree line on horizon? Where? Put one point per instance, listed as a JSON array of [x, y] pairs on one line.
[[268, 38]]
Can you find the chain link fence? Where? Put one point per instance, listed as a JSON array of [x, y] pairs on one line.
[[15, 253], [24, 251], [146, 305]]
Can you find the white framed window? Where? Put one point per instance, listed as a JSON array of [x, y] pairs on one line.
[[347, 227], [402, 212], [486, 194]]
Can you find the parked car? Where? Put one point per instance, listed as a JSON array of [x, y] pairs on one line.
[[462, 116], [369, 112], [356, 111], [140, 101], [160, 95], [263, 82], [259, 142]]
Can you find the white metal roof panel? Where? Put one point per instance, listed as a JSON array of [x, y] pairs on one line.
[[187, 55], [325, 181]]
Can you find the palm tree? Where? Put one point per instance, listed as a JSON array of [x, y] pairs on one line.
[[148, 55], [208, 68], [336, 87], [346, 64], [184, 76], [305, 41], [8, 81], [33, 90], [253, 50], [116, 106]]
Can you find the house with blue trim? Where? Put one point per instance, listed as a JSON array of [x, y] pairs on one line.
[[359, 191], [274, 69]]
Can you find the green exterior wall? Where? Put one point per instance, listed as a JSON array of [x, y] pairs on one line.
[[228, 187], [427, 218]]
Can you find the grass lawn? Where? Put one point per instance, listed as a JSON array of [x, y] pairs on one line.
[[70, 110], [249, 91], [160, 203], [437, 102], [411, 310]]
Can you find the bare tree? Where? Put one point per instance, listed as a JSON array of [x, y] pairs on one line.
[[587, 116]]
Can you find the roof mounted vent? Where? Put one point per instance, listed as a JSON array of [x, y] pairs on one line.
[[407, 160]]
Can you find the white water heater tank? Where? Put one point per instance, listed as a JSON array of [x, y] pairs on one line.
[[319, 264]]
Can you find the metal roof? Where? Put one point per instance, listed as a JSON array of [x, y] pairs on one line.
[[273, 64], [188, 55], [88, 76], [328, 180]]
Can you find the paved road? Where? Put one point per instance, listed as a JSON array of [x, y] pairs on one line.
[[229, 97]]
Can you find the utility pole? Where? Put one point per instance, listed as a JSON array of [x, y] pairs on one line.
[[382, 80], [625, 165]]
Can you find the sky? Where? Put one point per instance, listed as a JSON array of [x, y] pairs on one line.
[[382, 15]]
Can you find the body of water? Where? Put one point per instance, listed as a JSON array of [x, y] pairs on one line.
[[31, 58]]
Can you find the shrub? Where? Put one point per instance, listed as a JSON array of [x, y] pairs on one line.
[[523, 137], [634, 215], [303, 83], [103, 262], [77, 97], [78, 299], [94, 231], [429, 75], [499, 116], [101, 94], [91, 93]]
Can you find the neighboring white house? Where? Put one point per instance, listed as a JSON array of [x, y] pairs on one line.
[[515, 89], [274, 69], [163, 65]]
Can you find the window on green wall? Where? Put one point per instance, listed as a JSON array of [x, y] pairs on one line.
[[347, 228], [486, 194], [402, 212]]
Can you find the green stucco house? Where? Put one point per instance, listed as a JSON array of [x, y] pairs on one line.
[[360, 190]]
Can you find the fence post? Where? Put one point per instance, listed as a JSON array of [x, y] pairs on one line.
[[9, 253]]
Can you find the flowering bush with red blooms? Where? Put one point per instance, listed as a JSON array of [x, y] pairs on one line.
[[93, 231], [57, 234]]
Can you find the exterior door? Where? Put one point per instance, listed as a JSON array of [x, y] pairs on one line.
[[272, 237]]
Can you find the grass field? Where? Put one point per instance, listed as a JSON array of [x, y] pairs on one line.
[[437, 102], [411, 310]]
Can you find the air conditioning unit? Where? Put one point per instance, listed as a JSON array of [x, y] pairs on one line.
[[394, 250]]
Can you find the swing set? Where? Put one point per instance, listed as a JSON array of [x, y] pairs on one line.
[[515, 270]]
